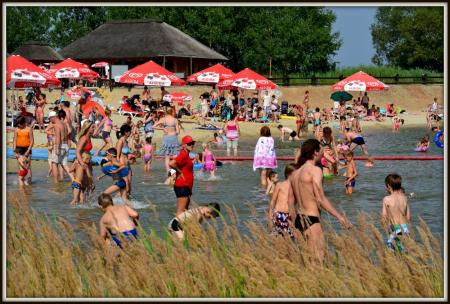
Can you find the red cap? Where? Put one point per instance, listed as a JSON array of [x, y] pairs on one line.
[[187, 139]]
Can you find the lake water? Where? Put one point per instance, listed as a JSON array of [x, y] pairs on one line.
[[237, 185]]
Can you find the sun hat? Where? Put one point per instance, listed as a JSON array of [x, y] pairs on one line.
[[187, 140], [86, 125], [52, 114]]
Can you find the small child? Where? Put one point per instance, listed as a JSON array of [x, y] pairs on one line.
[[208, 160], [118, 171], [286, 130], [147, 154], [395, 212], [137, 145], [272, 180], [24, 166], [79, 185], [369, 162], [210, 211], [350, 173], [341, 148], [116, 220], [279, 216], [424, 143], [171, 177]]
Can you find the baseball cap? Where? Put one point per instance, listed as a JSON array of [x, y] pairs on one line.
[[187, 139], [52, 114]]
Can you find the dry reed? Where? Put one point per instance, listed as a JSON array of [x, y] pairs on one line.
[[46, 262]]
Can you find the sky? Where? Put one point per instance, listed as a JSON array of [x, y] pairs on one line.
[[354, 23]]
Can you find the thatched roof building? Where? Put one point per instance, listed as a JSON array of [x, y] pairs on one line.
[[38, 52], [134, 42]]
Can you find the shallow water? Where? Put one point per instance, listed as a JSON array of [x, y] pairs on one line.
[[237, 185]]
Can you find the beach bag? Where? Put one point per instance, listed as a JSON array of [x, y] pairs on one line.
[[284, 107]]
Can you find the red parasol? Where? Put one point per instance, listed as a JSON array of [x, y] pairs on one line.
[[70, 68], [213, 75], [22, 73], [100, 64], [360, 81], [179, 97], [248, 79], [150, 74]]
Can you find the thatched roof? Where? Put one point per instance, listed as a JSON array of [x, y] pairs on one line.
[[38, 51], [137, 39]]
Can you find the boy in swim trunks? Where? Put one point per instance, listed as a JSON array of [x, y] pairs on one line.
[[272, 180], [395, 212], [351, 173], [210, 211], [279, 217], [116, 174], [24, 165], [316, 119], [117, 220], [79, 172]]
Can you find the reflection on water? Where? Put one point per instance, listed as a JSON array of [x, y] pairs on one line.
[[236, 184]]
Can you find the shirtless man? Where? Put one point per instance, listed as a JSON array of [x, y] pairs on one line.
[[356, 139], [309, 198], [40, 104], [65, 106], [61, 148]]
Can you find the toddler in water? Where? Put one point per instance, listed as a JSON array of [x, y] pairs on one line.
[[208, 160], [351, 173], [279, 217], [171, 177], [79, 184], [24, 165], [424, 143], [272, 180], [147, 154], [395, 212]]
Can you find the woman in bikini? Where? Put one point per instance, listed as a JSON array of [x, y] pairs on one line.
[[107, 126], [171, 128], [40, 104], [23, 143]]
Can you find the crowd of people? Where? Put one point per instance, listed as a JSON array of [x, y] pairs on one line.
[[295, 203]]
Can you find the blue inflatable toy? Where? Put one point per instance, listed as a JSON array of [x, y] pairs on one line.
[[198, 166], [438, 143]]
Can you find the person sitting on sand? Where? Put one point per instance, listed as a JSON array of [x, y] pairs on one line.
[[279, 217], [395, 212], [117, 220], [198, 214]]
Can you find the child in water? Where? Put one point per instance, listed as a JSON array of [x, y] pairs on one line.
[[79, 184], [424, 143], [272, 180], [198, 214], [395, 212], [147, 154], [351, 173], [208, 160], [341, 148], [171, 177], [279, 216], [116, 220], [369, 162], [24, 166]]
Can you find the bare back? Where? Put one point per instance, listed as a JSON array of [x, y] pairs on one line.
[[395, 208], [119, 218], [281, 196], [306, 192]]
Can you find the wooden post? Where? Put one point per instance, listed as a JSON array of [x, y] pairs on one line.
[[190, 65], [270, 67], [164, 61]]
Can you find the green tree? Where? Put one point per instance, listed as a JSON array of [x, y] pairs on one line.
[[409, 37]]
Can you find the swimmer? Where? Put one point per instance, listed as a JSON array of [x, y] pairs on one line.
[[171, 177], [395, 213], [24, 166], [272, 180], [117, 175], [350, 173], [198, 214], [286, 130], [116, 220], [279, 218], [79, 184], [147, 154]]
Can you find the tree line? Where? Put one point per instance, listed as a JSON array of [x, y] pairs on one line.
[[286, 39]]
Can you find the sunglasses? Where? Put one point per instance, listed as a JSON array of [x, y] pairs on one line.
[[191, 144]]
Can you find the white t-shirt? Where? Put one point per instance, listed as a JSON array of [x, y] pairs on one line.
[[267, 99], [434, 106]]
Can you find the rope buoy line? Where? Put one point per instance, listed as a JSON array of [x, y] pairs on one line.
[[380, 157]]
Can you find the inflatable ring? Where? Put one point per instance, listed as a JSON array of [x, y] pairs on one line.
[[436, 139], [198, 166]]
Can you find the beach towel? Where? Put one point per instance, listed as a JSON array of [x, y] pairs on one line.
[[264, 156], [208, 127]]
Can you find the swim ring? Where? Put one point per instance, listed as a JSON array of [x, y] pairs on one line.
[[198, 166], [107, 170], [436, 139], [421, 149]]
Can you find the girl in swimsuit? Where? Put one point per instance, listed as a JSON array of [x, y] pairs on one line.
[[147, 154], [40, 104], [171, 128], [122, 153], [329, 152], [107, 126], [208, 160]]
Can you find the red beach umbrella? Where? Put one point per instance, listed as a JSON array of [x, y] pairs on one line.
[[21, 73], [178, 97], [72, 69], [150, 74], [100, 64], [248, 79], [360, 81], [212, 75]]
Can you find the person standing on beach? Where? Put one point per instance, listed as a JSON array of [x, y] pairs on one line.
[[309, 198], [365, 101], [184, 182], [306, 100], [267, 99], [40, 104]]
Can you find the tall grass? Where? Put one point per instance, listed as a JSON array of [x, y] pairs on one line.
[[46, 262]]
